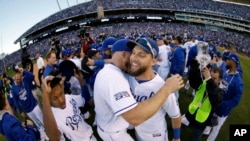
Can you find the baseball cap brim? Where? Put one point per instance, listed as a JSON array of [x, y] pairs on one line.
[[132, 44]]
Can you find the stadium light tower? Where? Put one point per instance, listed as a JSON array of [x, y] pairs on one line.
[[58, 5], [68, 2]]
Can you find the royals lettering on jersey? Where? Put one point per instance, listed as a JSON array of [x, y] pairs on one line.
[[121, 95], [23, 95], [140, 98], [75, 119]]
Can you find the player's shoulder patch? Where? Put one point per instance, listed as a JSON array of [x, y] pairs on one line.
[[121, 95]]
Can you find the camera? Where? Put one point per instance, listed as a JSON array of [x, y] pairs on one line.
[[54, 42], [83, 33]]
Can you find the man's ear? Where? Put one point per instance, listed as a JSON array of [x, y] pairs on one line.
[[154, 61]]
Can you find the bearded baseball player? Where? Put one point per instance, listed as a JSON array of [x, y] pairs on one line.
[[144, 85]]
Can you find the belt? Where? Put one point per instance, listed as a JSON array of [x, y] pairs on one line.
[[107, 131]]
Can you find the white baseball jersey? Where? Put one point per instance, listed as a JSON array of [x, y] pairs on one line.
[[77, 62], [112, 97], [155, 128], [40, 63], [70, 121], [75, 86], [188, 46], [163, 54]]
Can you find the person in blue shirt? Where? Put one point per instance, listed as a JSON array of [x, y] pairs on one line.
[[212, 49], [233, 89], [105, 51], [218, 62], [25, 101], [12, 128], [51, 63], [178, 60]]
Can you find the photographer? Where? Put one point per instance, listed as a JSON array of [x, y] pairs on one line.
[[26, 61], [85, 39], [55, 47]]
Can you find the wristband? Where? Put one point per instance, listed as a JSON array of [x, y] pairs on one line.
[[177, 133]]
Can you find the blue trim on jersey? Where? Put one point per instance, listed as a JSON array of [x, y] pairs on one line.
[[126, 107], [142, 81]]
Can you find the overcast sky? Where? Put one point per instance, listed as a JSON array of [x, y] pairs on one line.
[[17, 16]]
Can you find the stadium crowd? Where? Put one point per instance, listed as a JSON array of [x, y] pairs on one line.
[[220, 37], [223, 9]]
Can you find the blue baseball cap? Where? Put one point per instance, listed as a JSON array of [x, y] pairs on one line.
[[121, 45], [108, 43], [234, 57], [158, 38], [147, 44], [77, 49], [67, 52]]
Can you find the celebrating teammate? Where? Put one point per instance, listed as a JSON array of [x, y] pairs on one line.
[[144, 85], [115, 106]]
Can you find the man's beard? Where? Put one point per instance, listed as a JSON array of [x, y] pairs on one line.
[[136, 72]]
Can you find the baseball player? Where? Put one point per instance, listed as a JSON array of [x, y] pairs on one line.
[[143, 86], [163, 61], [115, 106], [61, 113], [25, 101]]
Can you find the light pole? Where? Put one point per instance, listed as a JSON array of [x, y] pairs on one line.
[[58, 5]]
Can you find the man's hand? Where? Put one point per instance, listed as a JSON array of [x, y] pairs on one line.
[[206, 73], [174, 83], [46, 84]]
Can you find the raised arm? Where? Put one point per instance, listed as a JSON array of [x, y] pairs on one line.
[[48, 117]]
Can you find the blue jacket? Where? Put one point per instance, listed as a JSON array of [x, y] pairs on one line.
[[233, 90], [22, 94], [13, 130], [178, 61], [192, 54], [48, 69], [212, 50]]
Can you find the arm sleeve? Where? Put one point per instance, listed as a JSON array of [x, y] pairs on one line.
[[29, 76], [121, 99], [181, 61], [238, 91], [15, 99], [99, 63], [18, 132], [171, 106]]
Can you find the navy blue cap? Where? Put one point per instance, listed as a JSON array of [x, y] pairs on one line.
[[234, 57], [108, 43], [158, 38], [147, 44], [121, 45]]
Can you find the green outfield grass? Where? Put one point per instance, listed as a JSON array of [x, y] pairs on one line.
[[239, 115]]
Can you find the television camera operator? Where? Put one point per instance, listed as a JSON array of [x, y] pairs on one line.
[[54, 43], [26, 61], [85, 38]]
